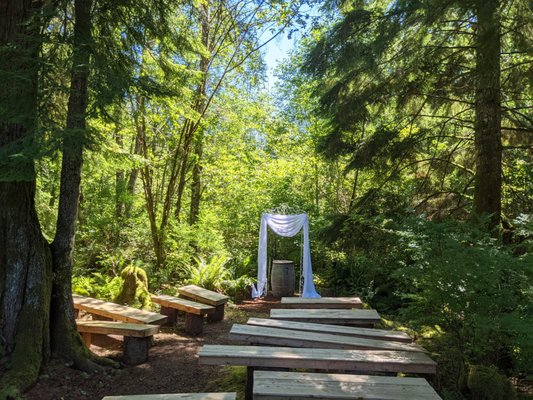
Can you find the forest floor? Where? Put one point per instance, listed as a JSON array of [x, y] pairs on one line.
[[172, 368]]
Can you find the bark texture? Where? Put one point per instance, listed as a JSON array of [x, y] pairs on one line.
[[66, 341], [488, 143], [25, 272]]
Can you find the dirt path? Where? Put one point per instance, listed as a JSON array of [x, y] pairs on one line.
[[173, 366]]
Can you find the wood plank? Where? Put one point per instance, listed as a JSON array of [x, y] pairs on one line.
[[340, 317], [292, 338], [117, 328], [325, 359], [370, 333], [176, 396], [188, 306], [322, 302], [203, 295], [117, 311], [274, 385]]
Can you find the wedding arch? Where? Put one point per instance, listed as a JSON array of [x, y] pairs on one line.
[[286, 225]]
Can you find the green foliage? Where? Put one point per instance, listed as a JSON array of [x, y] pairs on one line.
[[209, 275], [485, 383], [97, 285]]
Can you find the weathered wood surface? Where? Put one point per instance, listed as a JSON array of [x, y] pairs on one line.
[[187, 306], [323, 359], [323, 302], [292, 338], [203, 295], [370, 333], [274, 385], [116, 311], [176, 396], [117, 328], [340, 317]]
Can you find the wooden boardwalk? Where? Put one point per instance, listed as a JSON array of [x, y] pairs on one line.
[[292, 338], [339, 317], [322, 302], [274, 385], [321, 359], [369, 333]]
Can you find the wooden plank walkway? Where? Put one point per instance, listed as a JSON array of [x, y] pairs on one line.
[[322, 359], [176, 396], [339, 317], [292, 338], [274, 385], [370, 333], [323, 302], [116, 311]]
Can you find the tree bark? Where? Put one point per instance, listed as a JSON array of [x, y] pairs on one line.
[[25, 272], [488, 144], [66, 341]]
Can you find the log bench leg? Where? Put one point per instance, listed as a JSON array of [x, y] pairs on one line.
[[194, 324], [218, 315], [172, 315], [136, 350], [86, 336], [249, 389]]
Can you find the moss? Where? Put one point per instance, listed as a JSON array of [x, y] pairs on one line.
[[134, 291], [486, 383]]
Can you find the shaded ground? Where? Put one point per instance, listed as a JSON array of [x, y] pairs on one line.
[[172, 368]]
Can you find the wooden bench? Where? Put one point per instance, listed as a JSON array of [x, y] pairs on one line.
[[176, 396], [118, 312], [293, 338], [137, 337], [317, 359], [275, 385], [194, 312], [205, 296], [322, 302], [370, 333], [365, 318]]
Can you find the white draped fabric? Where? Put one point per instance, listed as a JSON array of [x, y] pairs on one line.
[[287, 226]]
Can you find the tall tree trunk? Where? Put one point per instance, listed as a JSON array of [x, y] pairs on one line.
[[196, 184], [25, 272], [66, 341], [488, 145]]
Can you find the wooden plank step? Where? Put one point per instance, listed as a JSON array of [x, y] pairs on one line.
[[116, 311], [274, 385], [329, 359], [370, 333], [203, 295], [292, 338], [322, 302], [339, 317], [176, 396], [117, 328], [188, 306]]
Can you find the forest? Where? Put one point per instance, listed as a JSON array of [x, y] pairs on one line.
[[151, 135]]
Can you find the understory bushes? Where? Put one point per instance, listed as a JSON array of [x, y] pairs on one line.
[[468, 296]]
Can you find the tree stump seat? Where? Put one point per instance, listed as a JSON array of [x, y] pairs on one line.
[[206, 296], [194, 312], [137, 337]]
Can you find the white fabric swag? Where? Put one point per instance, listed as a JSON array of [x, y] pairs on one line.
[[287, 226]]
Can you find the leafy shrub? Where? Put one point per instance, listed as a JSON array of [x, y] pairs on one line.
[[209, 275], [485, 383], [98, 285]]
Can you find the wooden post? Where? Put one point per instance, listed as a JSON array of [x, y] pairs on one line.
[[172, 315], [194, 324], [86, 336], [249, 390], [136, 350], [218, 315]]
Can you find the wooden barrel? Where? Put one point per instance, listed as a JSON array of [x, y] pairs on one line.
[[282, 278]]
